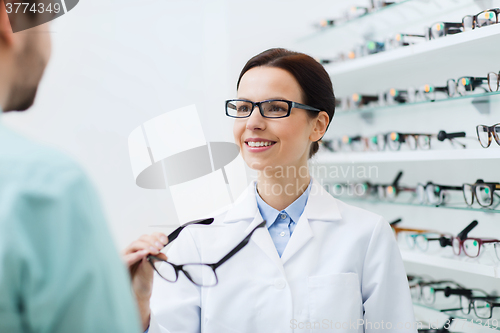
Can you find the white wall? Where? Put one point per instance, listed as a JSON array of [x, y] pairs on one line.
[[118, 63]]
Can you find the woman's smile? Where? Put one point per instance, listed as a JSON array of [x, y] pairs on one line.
[[255, 145]]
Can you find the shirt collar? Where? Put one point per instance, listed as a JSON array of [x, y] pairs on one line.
[[294, 210]]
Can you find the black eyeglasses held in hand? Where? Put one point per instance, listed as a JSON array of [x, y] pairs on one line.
[[272, 108], [202, 275]]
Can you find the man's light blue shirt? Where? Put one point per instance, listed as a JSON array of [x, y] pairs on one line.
[[282, 223], [59, 269]]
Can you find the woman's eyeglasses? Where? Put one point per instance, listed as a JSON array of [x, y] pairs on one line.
[[272, 108], [486, 133], [200, 274]]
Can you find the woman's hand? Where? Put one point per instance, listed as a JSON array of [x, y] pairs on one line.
[[141, 271]]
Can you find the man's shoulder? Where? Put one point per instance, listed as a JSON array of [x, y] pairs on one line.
[[23, 160]]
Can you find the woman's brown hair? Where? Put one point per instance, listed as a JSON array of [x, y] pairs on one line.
[[311, 75]]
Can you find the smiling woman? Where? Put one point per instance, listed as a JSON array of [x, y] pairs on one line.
[[298, 71], [317, 260]]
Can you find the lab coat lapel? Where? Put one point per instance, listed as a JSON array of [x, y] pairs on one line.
[[320, 206], [300, 236], [263, 239], [245, 208]]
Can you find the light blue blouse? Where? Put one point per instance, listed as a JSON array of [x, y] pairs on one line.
[[282, 223]]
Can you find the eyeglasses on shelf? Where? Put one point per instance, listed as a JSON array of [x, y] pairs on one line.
[[354, 12], [201, 274], [435, 31], [272, 108], [366, 189], [486, 133], [442, 29], [392, 140], [434, 194], [483, 305], [482, 19], [397, 229], [423, 239], [426, 291], [484, 193], [479, 301]]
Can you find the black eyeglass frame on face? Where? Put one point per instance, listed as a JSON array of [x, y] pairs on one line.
[[291, 105], [213, 266]]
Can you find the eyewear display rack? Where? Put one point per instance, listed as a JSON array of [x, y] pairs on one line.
[[471, 53]]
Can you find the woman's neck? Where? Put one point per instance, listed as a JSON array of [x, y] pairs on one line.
[[280, 192]]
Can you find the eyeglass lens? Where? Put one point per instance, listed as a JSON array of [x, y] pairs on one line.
[[486, 18], [200, 274], [493, 81], [484, 136], [270, 108]]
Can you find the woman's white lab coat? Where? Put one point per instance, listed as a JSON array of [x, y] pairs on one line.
[[340, 271]]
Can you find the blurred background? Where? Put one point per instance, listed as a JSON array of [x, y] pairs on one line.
[[117, 64]]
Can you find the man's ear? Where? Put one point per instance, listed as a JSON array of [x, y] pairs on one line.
[[6, 34], [321, 124]]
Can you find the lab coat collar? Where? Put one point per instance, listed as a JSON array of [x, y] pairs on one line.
[[320, 205]]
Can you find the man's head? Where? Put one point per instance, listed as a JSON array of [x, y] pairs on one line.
[[23, 56]]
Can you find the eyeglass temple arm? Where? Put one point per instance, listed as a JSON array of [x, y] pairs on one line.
[[174, 234], [412, 35], [455, 309], [396, 180], [463, 234], [395, 221], [451, 291], [442, 135], [445, 187], [327, 144], [442, 89], [306, 107], [239, 246]]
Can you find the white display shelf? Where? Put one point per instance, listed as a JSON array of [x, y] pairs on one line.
[[476, 97], [397, 203], [327, 157], [386, 21], [452, 264], [392, 69], [461, 324]]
